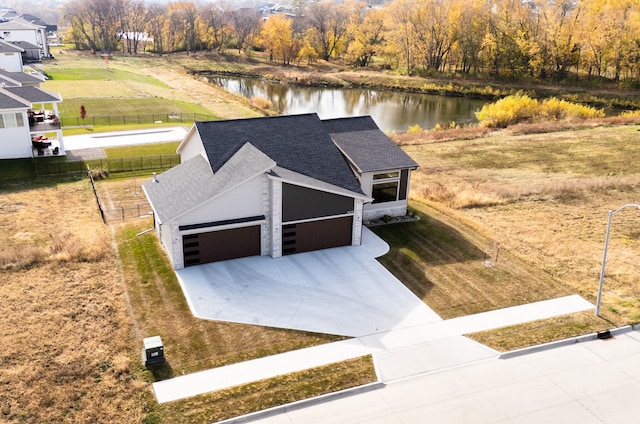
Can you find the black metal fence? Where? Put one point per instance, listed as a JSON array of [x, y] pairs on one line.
[[150, 118], [122, 213]]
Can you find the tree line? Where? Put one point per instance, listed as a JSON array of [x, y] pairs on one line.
[[541, 39]]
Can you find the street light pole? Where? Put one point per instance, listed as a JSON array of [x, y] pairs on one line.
[[604, 254]]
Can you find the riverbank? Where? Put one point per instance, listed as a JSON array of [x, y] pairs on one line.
[[337, 74]]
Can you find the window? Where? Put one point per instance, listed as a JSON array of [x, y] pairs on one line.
[[11, 120], [385, 175], [385, 192]]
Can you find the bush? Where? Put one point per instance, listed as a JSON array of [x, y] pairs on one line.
[[521, 108], [415, 129]]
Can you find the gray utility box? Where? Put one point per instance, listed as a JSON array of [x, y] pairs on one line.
[[153, 351]]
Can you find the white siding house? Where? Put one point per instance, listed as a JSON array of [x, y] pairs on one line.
[[272, 186]]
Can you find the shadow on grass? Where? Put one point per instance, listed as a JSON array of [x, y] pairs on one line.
[[161, 371], [419, 247]]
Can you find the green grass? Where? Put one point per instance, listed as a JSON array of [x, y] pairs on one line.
[[142, 150], [70, 109], [100, 74]]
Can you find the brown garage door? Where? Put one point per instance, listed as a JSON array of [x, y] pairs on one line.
[[316, 235], [221, 245]]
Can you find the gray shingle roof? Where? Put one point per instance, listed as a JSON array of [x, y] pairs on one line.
[[191, 183], [25, 45], [18, 78], [358, 123], [6, 47], [299, 143], [372, 150], [34, 94], [366, 145], [10, 102]]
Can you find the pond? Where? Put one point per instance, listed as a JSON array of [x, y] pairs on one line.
[[392, 111]]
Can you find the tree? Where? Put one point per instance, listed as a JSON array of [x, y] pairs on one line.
[[277, 36], [330, 24], [245, 21], [137, 20], [366, 36], [400, 35], [155, 26], [218, 28]]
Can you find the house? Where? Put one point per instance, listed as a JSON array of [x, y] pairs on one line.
[[10, 57], [29, 124], [276, 186], [19, 29]]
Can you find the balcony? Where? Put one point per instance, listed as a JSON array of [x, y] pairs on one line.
[[43, 120]]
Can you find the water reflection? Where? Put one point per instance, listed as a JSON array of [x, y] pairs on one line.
[[392, 111]]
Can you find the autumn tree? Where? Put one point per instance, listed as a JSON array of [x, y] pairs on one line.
[[400, 34], [329, 22], [155, 26], [366, 36], [245, 22], [99, 21], [473, 24], [217, 24], [277, 36]]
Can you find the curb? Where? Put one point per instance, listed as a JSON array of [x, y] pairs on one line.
[[565, 342], [266, 413]]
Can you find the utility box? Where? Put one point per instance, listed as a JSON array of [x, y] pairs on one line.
[[152, 351]]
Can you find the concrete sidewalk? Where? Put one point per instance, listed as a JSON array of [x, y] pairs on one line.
[[587, 382], [397, 354]]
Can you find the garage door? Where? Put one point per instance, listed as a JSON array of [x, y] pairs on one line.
[[221, 245], [316, 235]]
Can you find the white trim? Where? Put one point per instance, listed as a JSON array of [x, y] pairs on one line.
[[215, 228], [324, 218]]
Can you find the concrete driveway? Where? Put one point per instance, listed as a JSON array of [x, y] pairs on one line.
[[343, 291]]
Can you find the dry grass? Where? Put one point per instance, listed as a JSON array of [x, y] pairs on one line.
[[544, 199], [74, 314], [544, 331], [64, 329]]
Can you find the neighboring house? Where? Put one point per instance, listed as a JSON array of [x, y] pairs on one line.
[[29, 124], [10, 57], [19, 29], [275, 186]]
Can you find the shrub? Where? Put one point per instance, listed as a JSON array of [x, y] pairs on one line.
[[262, 103], [415, 129], [520, 108]]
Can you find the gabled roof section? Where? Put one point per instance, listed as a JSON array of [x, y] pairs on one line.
[[372, 151], [34, 94], [192, 183], [10, 101], [366, 146], [6, 47], [19, 24], [299, 143], [358, 123], [25, 45], [18, 78]]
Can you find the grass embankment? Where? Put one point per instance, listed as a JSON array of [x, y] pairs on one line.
[[134, 86], [339, 73], [539, 204]]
